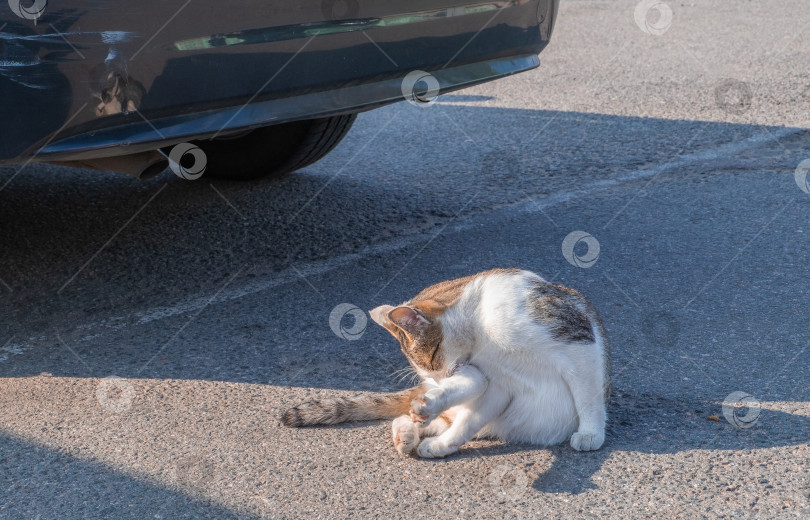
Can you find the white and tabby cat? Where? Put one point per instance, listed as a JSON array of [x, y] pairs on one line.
[[502, 354]]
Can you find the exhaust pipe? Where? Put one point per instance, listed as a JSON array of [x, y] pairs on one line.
[[143, 165]]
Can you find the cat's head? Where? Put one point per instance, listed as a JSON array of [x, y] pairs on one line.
[[418, 328]]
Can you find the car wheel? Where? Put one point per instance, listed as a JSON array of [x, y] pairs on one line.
[[273, 151]]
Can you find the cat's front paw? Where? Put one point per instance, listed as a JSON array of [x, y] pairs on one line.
[[406, 435], [587, 441], [433, 448], [425, 407]]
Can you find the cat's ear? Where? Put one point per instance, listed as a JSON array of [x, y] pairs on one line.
[[409, 319], [380, 315]]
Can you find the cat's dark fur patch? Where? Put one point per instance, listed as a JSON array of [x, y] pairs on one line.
[[559, 308]]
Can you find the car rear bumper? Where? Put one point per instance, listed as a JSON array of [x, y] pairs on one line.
[[73, 88]]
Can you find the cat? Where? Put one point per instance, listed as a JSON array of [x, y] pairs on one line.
[[502, 354]]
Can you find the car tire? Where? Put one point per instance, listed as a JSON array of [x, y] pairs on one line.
[[273, 151]]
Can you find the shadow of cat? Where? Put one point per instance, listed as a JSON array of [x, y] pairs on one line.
[[644, 424]]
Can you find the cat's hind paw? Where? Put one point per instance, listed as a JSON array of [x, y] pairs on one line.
[[406, 435], [587, 441], [433, 448]]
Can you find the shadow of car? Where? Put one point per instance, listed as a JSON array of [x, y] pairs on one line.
[[238, 90]]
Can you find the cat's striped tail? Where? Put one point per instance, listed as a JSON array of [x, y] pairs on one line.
[[342, 409]]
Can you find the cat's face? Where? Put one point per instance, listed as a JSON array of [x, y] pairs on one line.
[[418, 328]]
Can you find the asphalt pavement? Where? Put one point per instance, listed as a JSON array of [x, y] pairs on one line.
[[152, 332]]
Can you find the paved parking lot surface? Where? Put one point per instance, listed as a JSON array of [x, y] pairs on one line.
[[152, 332]]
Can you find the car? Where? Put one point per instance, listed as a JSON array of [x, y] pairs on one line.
[[238, 89]]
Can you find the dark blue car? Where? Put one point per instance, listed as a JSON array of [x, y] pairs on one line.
[[237, 89]]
